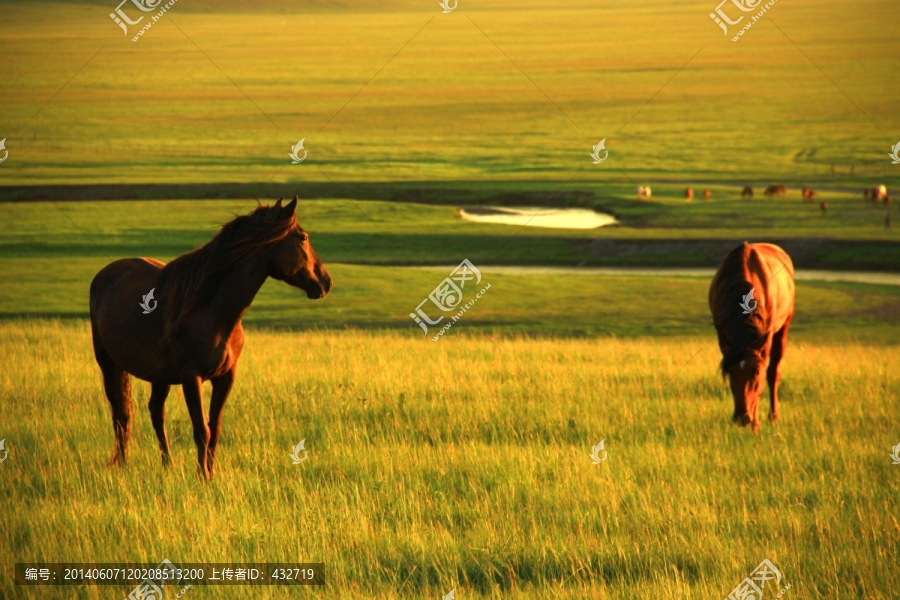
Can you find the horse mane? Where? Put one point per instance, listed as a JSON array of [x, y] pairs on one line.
[[747, 333], [188, 282]]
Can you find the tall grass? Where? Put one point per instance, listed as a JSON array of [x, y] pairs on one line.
[[465, 464]]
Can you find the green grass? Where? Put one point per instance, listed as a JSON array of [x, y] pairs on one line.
[[49, 254], [465, 464], [449, 106], [379, 232]]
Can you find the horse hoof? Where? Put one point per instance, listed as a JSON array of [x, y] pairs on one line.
[[742, 420], [773, 417], [116, 461]]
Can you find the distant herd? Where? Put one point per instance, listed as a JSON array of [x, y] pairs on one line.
[[876, 194]]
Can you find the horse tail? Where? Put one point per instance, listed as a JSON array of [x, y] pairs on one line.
[[116, 382]]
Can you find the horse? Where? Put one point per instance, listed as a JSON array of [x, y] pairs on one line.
[[824, 207], [192, 333], [752, 302], [644, 192], [689, 194], [809, 195], [747, 192], [775, 190], [706, 194]]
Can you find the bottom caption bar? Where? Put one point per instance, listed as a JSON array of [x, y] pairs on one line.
[[150, 579]]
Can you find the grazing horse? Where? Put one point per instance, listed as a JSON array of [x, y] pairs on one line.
[[689, 194], [809, 195], [644, 192], [747, 192], [191, 330], [752, 303], [824, 207], [706, 194], [775, 190]]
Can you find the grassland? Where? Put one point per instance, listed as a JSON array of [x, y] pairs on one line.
[[219, 93], [458, 464], [465, 464], [50, 252]]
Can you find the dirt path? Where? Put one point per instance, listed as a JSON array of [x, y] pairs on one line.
[[800, 275]]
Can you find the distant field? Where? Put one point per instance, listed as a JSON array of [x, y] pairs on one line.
[[49, 254], [667, 230], [450, 105], [464, 464]]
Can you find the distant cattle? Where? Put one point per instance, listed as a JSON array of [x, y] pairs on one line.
[[706, 194], [775, 190], [644, 192], [689, 194], [809, 195], [747, 192]]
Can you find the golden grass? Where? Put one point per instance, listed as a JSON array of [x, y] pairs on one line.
[[464, 463]]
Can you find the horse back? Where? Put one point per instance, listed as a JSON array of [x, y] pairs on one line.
[[130, 336], [771, 271]]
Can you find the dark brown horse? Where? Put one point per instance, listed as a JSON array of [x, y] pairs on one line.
[[180, 323], [775, 190], [752, 302]]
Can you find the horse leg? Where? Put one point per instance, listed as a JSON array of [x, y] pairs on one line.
[[773, 373], [193, 396], [117, 385], [157, 406], [221, 387]]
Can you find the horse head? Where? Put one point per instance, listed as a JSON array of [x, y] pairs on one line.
[[746, 380], [294, 261]]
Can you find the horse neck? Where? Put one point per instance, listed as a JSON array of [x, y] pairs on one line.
[[236, 291]]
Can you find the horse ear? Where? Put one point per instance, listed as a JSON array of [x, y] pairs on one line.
[[291, 209], [278, 204]]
